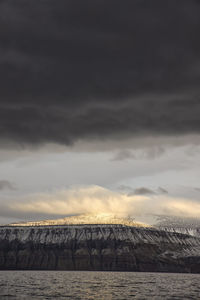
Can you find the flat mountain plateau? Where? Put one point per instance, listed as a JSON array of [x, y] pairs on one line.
[[102, 247]]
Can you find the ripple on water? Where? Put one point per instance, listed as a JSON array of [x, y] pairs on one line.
[[60, 285]]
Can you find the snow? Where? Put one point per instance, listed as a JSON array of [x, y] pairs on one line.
[[184, 225], [102, 227], [66, 233]]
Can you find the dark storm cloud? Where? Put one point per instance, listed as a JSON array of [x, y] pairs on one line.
[[90, 69], [6, 185]]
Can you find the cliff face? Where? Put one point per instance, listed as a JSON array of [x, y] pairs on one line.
[[98, 247]]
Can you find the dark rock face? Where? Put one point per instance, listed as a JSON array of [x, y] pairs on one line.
[[98, 247]]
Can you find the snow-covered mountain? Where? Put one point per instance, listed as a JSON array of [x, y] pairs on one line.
[[100, 242], [190, 226], [97, 247], [85, 219]]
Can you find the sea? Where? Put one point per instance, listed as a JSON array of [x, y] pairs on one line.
[[97, 285]]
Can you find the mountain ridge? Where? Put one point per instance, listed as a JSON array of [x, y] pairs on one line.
[[98, 247]]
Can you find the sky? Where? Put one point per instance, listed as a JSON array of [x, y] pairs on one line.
[[99, 108]]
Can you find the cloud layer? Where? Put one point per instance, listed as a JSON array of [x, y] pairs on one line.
[[95, 199], [72, 70]]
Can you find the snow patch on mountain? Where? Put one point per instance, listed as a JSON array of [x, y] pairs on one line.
[[184, 225]]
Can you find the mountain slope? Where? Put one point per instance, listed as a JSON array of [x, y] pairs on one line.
[[190, 226], [98, 247]]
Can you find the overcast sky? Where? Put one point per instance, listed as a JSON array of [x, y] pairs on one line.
[[99, 108]]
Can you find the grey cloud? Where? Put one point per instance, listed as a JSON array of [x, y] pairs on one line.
[[6, 185], [20, 216], [142, 191], [123, 155], [162, 190], [72, 70], [148, 153]]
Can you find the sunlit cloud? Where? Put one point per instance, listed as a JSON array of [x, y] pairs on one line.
[[96, 199], [91, 199]]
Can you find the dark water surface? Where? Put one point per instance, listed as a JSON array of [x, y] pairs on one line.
[[97, 285]]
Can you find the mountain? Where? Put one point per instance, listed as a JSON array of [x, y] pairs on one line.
[[183, 225], [74, 244]]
